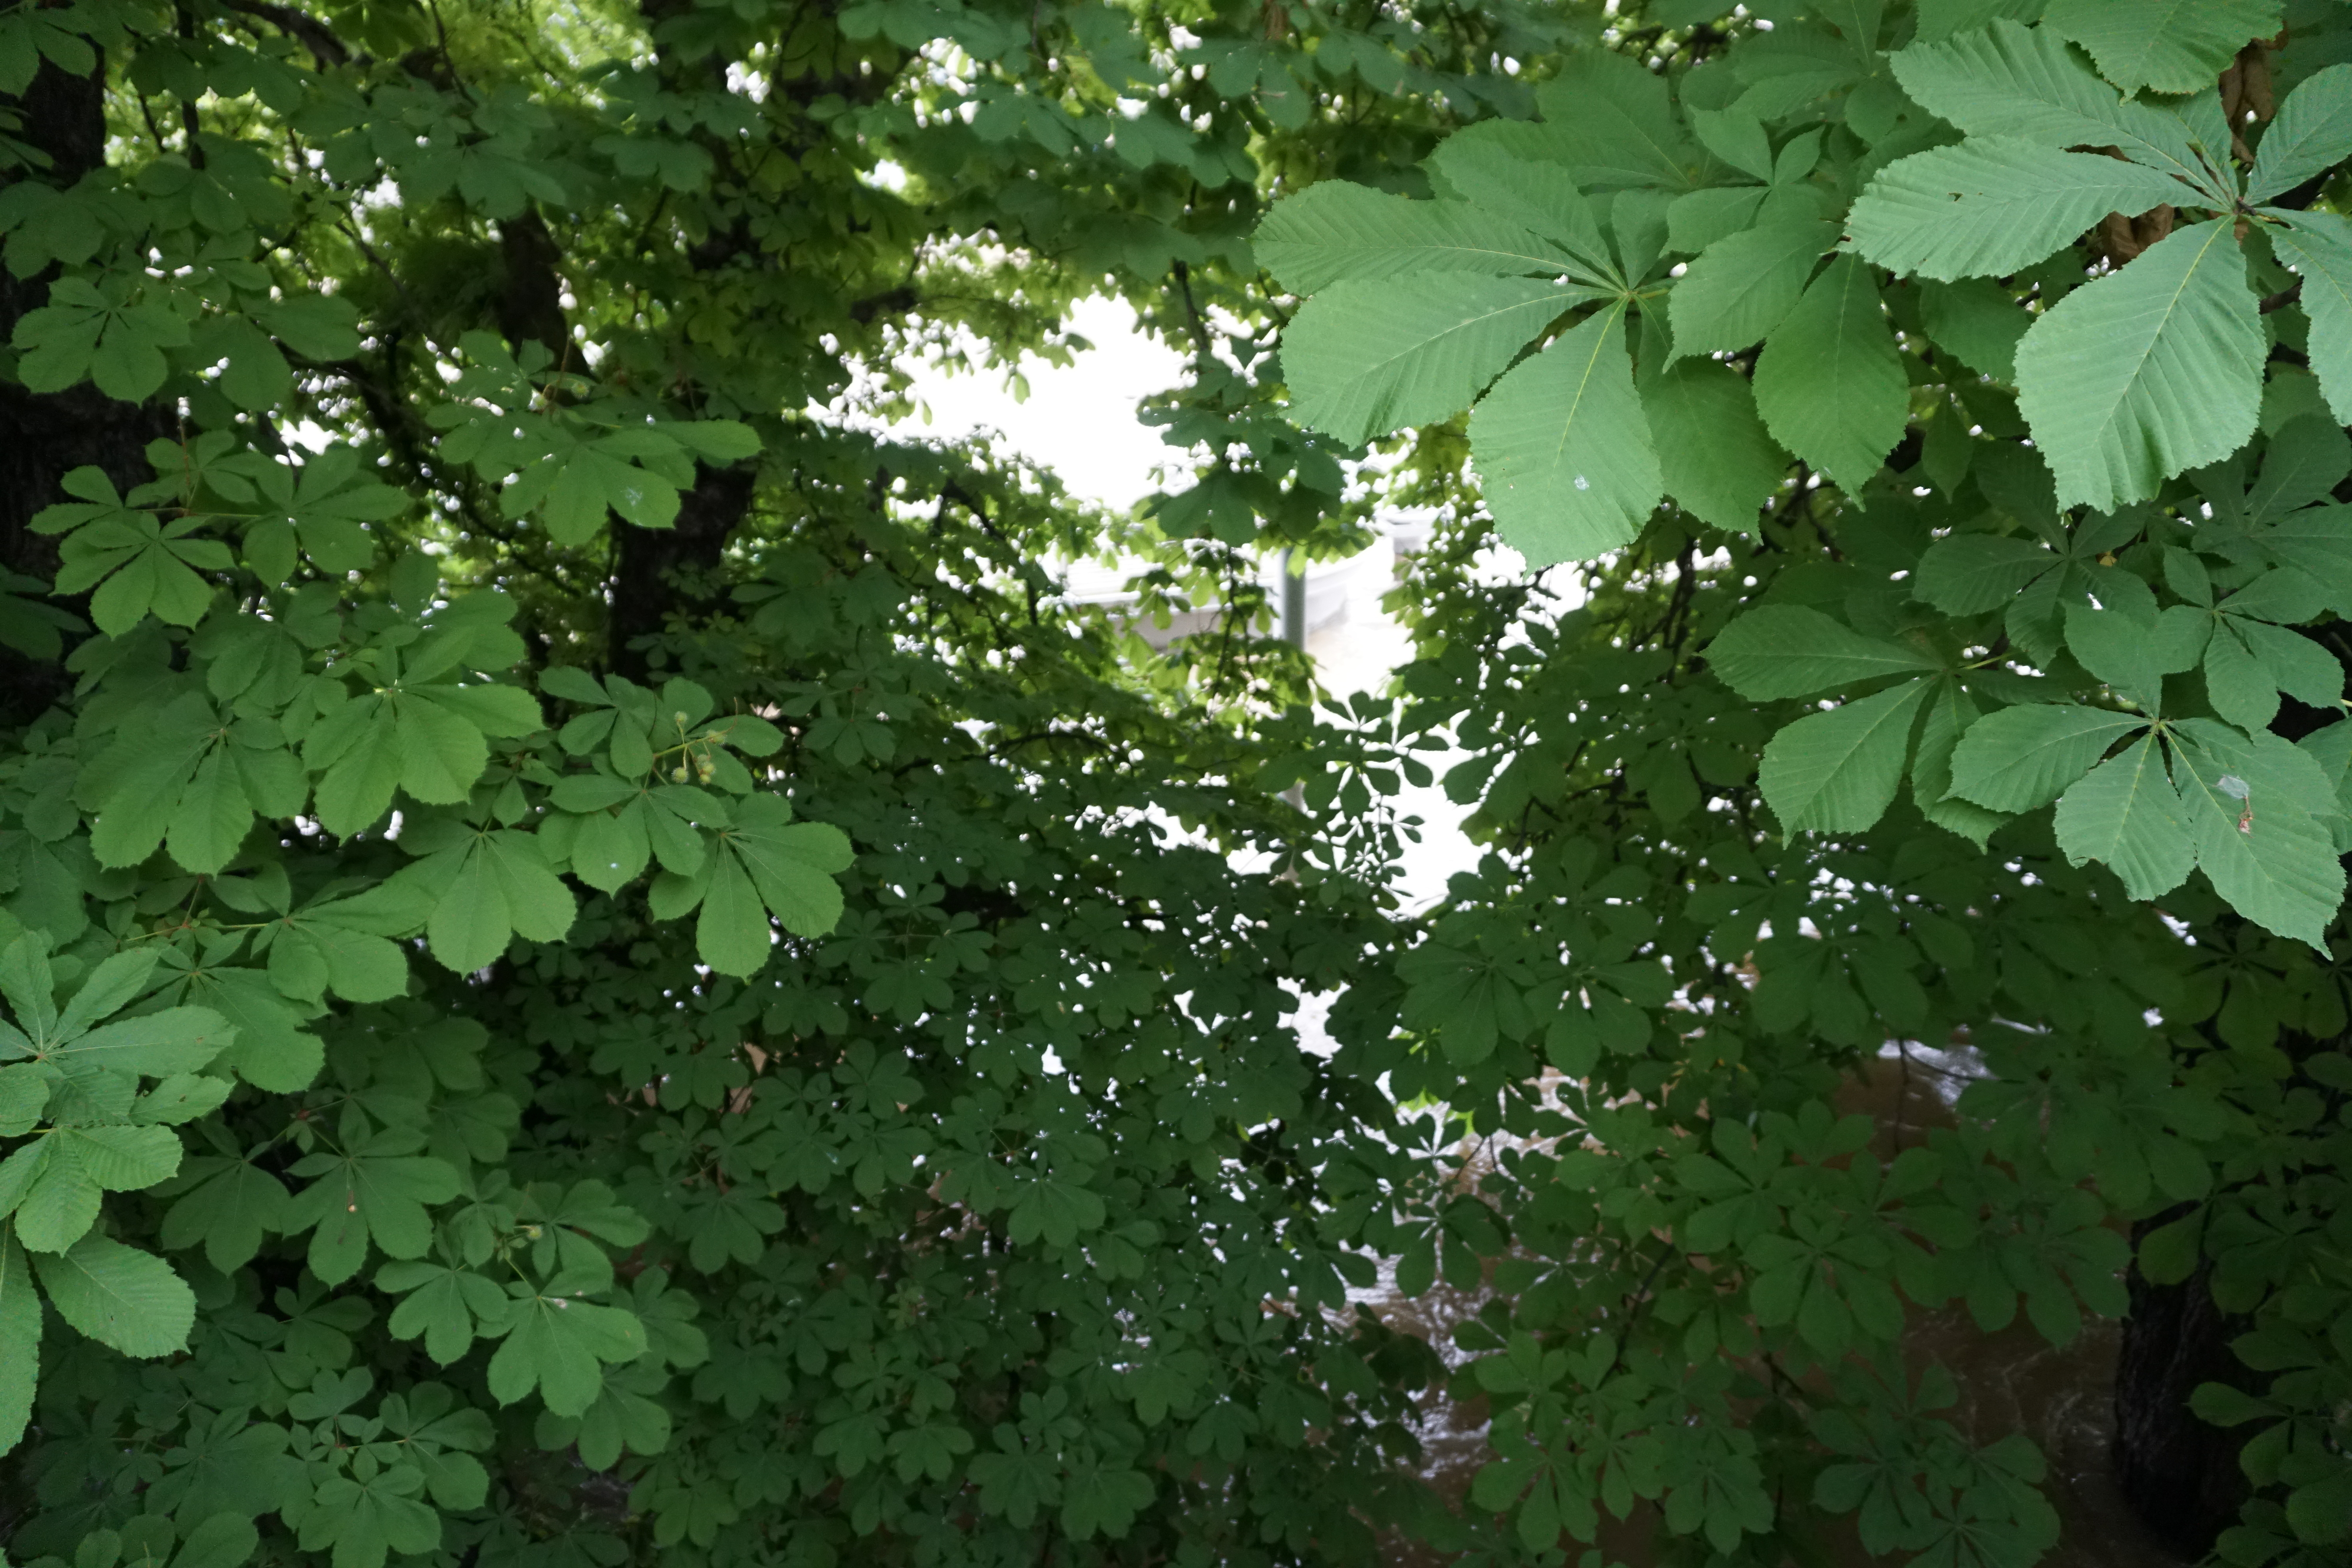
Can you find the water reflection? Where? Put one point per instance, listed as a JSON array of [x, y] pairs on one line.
[[2011, 1381]]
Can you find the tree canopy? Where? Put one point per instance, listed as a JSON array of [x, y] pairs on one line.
[[600, 966]]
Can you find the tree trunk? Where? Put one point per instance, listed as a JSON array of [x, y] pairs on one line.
[[660, 572], [44, 436], [2178, 1473]]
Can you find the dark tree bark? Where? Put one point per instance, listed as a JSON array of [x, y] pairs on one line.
[[660, 572], [2178, 1473], [43, 436]]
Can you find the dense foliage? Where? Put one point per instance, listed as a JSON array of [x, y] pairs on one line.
[[599, 968]]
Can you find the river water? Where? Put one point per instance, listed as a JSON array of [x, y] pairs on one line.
[[2011, 1381]]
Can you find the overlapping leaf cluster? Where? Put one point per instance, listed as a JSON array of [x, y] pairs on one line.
[[598, 968], [1949, 405]]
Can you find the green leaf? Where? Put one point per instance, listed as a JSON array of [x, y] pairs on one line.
[[1970, 574], [1830, 383], [20, 1341], [2125, 814], [1789, 651], [2168, 46], [86, 331], [495, 886], [2270, 854], [791, 864], [2146, 372], [2311, 133], [229, 1210], [1561, 448], [2022, 758], [1948, 717], [1537, 195], [1979, 322], [1744, 285], [126, 1299], [2318, 246], [1714, 456], [175, 1040], [366, 1521], [1994, 205], [1836, 772], [224, 1541], [125, 1159], [732, 933], [377, 1191], [559, 1346], [448, 1307], [1612, 121], [60, 1201], [2010, 81], [1364, 359], [1335, 230]]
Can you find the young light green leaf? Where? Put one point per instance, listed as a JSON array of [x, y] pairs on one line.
[[2021, 758], [1830, 383], [2125, 814], [2174, 45], [1364, 359], [1335, 230], [1790, 651], [1745, 285], [2146, 372], [1562, 450], [126, 1299], [1993, 204], [1836, 771]]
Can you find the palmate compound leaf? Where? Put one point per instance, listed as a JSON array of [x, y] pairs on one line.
[[1562, 450], [2318, 247], [2146, 372], [2311, 132], [765, 864], [1836, 771], [2125, 814], [381, 1190], [20, 1340], [2268, 851], [1993, 204], [1790, 651], [2022, 758], [426, 738], [2169, 45], [127, 1300], [1364, 359], [1335, 230], [559, 1345], [1830, 383]]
